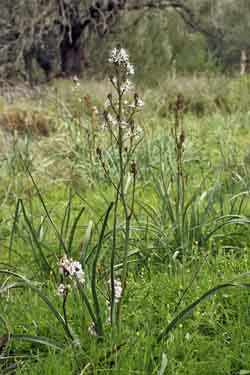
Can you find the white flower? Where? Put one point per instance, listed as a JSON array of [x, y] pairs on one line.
[[109, 311], [140, 103], [130, 69], [138, 130], [119, 56], [65, 265], [77, 271], [92, 330], [132, 106], [114, 81], [126, 86], [62, 290], [77, 84], [124, 124], [70, 267], [134, 133], [118, 295], [95, 110], [111, 120], [75, 79], [117, 289], [107, 104]]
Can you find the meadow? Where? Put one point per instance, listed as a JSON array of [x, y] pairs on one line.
[[124, 240]]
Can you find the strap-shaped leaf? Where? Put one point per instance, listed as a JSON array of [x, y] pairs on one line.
[[38, 340]]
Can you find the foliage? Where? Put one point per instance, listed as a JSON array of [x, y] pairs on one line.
[[70, 37], [174, 244]]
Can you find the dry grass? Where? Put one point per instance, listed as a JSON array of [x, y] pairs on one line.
[[204, 94], [51, 114], [26, 121]]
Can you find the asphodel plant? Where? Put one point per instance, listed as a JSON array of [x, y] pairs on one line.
[[124, 137]]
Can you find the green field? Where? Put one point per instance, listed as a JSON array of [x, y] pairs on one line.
[[166, 212]]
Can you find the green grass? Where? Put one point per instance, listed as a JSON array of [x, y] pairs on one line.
[[166, 274]]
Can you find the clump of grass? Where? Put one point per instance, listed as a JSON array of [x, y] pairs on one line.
[[204, 94], [19, 120]]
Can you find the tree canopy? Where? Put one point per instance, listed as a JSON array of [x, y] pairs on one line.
[[57, 33]]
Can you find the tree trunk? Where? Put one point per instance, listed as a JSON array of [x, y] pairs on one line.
[[73, 52]]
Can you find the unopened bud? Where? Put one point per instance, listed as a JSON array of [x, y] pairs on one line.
[[182, 137], [105, 115], [99, 152], [179, 105], [133, 168], [136, 97]]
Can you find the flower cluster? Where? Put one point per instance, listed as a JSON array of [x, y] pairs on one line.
[[117, 295], [120, 57], [113, 122], [63, 290], [126, 86], [72, 268], [117, 289]]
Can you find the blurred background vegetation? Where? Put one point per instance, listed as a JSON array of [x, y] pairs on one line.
[[164, 37]]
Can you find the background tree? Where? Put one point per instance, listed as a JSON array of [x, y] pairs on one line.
[[58, 35]]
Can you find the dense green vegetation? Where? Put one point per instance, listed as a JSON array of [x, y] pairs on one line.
[[185, 201]]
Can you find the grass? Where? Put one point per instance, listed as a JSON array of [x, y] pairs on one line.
[[169, 269]]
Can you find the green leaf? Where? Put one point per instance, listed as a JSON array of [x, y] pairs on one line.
[[39, 340], [43, 260], [66, 216], [73, 229], [93, 280], [14, 228], [26, 283], [46, 210]]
